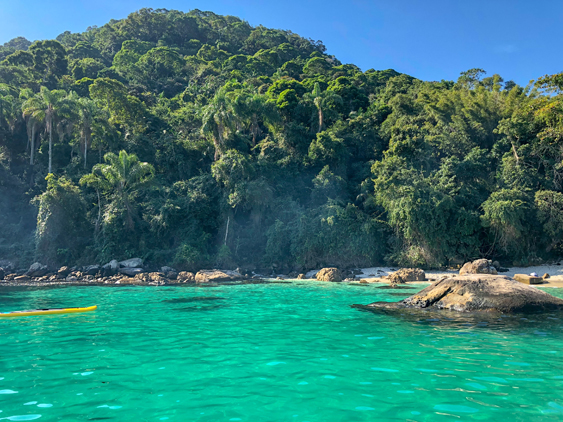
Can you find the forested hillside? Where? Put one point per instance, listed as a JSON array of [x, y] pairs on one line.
[[196, 140]]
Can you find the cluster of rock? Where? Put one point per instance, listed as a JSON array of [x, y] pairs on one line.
[[405, 275], [329, 274], [478, 287], [480, 266], [476, 292], [130, 271]]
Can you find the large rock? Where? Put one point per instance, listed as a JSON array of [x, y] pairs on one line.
[[407, 274], [131, 272], [110, 268], [480, 266], [131, 263], [63, 272], [154, 278], [2, 273], [209, 276], [37, 270], [482, 292], [528, 279], [112, 265], [186, 277], [91, 269], [6, 265], [329, 274]]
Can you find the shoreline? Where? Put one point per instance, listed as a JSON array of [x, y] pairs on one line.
[[370, 275]]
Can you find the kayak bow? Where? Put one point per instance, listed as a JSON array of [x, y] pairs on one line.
[[47, 311]]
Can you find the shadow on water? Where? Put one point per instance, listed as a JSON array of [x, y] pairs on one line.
[[198, 308], [192, 299], [6, 299], [396, 288], [538, 321]]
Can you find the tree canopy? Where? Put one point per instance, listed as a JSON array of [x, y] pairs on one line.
[[195, 139]]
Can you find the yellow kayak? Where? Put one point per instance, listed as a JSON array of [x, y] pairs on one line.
[[47, 311]]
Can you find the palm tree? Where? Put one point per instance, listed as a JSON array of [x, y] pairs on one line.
[[31, 123], [67, 115], [253, 109], [124, 173], [87, 113], [97, 181], [218, 118], [321, 100], [44, 107]]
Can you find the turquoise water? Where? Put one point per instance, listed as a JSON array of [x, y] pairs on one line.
[[281, 352]]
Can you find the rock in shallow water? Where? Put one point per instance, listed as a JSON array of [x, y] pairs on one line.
[[207, 276], [329, 274], [476, 293]]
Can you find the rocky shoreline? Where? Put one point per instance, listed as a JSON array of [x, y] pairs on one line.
[[134, 272]]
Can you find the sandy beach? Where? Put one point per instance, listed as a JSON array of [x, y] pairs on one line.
[[555, 271]]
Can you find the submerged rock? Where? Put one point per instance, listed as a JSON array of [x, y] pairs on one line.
[[480, 266], [476, 293], [329, 274]]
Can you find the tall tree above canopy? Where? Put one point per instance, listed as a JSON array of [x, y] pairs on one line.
[[254, 109], [218, 118], [50, 60], [45, 107]]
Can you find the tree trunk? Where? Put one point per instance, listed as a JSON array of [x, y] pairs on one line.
[[99, 212], [50, 148], [32, 152], [320, 119], [217, 145], [130, 222], [85, 151], [227, 230]]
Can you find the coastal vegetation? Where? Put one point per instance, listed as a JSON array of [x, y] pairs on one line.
[[197, 140]]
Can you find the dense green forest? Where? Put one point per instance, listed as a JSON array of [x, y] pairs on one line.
[[196, 140]]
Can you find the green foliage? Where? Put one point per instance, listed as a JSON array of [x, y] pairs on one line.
[[549, 206], [508, 213], [61, 222], [248, 146]]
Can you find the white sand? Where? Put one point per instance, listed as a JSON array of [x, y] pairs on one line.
[[555, 270]]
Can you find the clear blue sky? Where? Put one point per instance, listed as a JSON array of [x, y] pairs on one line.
[[429, 39]]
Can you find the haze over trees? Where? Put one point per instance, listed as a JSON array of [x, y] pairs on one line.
[[196, 140]]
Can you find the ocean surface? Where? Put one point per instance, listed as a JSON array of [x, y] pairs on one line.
[[280, 352]]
